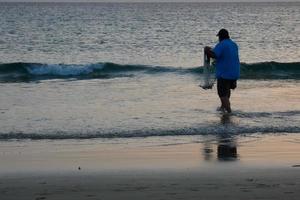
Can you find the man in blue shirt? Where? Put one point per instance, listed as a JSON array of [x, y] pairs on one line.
[[227, 67]]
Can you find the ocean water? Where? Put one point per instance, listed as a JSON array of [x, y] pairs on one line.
[[113, 70]]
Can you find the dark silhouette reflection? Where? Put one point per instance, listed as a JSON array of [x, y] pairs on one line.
[[208, 151], [227, 150], [226, 144], [226, 119]]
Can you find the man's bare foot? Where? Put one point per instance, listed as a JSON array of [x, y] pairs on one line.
[[221, 109], [228, 110]]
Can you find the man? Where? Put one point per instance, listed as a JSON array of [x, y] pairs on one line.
[[227, 67]]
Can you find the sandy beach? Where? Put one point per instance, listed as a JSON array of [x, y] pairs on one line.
[[256, 167], [240, 184]]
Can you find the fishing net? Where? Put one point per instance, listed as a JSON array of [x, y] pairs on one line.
[[208, 75]]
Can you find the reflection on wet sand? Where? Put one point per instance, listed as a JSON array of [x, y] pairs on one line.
[[226, 144], [227, 150]]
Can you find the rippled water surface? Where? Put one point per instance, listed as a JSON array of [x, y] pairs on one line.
[[127, 70], [166, 34]]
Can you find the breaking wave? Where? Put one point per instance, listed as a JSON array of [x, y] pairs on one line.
[[18, 72]]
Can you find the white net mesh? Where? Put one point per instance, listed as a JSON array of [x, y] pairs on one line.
[[208, 78]]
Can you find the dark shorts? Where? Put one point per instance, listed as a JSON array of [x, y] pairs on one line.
[[224, 86]]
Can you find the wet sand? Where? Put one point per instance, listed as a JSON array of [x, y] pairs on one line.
[[252, 167]]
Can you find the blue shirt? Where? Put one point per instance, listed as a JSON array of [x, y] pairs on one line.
[[227, 60]]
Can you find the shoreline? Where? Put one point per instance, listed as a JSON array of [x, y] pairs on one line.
[[186, 167]]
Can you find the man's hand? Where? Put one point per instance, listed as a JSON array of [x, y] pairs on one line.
[[209, 52], [207, 49]]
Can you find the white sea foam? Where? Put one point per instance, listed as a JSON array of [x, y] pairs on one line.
[[62, 70]]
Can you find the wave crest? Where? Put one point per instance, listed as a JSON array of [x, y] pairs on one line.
[[30, 71]]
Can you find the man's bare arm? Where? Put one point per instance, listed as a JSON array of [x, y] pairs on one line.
[[209, 52]]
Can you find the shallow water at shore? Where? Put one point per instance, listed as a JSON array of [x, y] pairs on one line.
[[169, 153], [145, 105]]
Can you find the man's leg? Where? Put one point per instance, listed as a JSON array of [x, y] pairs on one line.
[[226, 104], [223, 87]]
